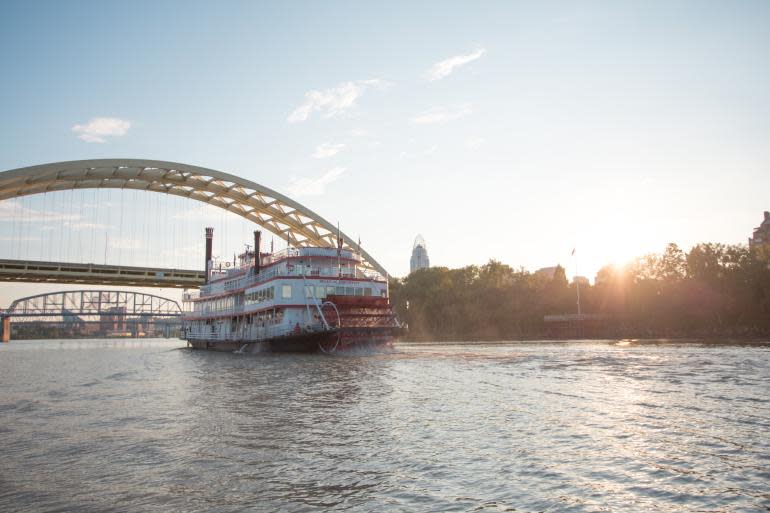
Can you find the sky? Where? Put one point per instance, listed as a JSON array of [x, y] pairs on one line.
[[515, 131]]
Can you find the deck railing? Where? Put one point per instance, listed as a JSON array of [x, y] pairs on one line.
[[248, 332], [308, 271]]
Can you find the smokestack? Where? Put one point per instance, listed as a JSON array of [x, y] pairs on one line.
[[257, 236], [209, 241]]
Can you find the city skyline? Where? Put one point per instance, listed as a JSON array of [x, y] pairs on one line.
[[523, 131]]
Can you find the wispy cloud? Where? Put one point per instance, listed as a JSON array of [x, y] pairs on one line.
[[327, 150], [444, 68], [474, 143], [14, 210], [443, 114], [333, 101], [85, 226], [97, 129], [198, 213], [125, 243], [181, 252], [20, 238], [314, 186]]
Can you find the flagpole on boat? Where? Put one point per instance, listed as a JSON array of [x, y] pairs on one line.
[[339, 253]]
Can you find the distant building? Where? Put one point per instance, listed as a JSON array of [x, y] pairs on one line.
[[761, 233], [581, 280], [419, 258], [547, 272], [114, 320]]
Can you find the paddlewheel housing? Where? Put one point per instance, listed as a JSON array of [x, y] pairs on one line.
[[359, 312]]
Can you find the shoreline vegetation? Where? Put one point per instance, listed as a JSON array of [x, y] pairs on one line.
[[713, 292]]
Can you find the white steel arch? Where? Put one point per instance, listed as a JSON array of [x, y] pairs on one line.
[[255, 202]]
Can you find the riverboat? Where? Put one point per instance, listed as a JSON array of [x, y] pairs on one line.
[[304, 299]]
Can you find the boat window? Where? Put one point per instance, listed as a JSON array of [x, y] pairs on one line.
[[320, 291], [349, 291], [359, 291], [308, 291], [286, 291], [367, 291], [330, 290]]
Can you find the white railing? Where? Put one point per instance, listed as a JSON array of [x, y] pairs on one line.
[[307, 271], [226, 311], [309, 252], [190, 296], [248, 332]]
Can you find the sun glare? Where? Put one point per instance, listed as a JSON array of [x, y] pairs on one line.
[[612, 242]]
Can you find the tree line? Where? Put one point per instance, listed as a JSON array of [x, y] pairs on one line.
[[714, 290]]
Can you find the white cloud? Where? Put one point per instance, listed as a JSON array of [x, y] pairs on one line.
[[85, 226], [314, 186], [20, 238], [198, 213], [97, 129], [14, 210], [125, 243], [333, 101], [326, 150], [474, 143], [182, 252], [442, 115], [447, 66]]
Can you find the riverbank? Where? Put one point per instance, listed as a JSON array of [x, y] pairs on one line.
[[737, 341]]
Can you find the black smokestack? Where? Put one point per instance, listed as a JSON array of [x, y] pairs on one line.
[[257, 236], [209, 240]]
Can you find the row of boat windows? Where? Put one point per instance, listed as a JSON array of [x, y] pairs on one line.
[[274, 316], [299, 269], [286, 292], [329, 290], [215, 305], [318, 291]]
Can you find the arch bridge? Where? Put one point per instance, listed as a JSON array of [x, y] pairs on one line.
[[250, 200], [92, 303], [112, 310]]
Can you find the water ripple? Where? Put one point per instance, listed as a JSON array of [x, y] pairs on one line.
[[579, 427]]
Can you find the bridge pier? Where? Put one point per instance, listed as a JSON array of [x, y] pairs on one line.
[[6, 330]]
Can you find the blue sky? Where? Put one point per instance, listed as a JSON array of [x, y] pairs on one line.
[[615, 127]]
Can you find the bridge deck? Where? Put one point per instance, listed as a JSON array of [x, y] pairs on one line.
[[97, 274]]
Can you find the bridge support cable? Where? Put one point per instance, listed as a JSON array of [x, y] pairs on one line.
[[254, 202]]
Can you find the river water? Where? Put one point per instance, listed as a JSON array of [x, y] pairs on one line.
[[146, 425]]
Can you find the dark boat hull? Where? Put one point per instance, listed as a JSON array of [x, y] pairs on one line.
[[343, 340]]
